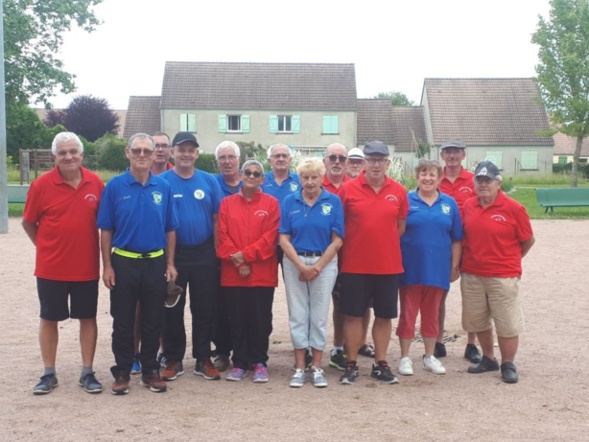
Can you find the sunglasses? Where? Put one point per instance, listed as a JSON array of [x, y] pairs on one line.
[[334, 158], [136, 151], [255, 173]]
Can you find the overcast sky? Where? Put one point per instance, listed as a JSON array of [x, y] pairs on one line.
[[394, 44]]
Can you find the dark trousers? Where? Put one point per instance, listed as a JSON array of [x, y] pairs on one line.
[[222, 341], [198, 271], [140, 280], [250, 313]]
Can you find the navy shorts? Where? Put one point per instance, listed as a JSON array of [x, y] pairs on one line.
[[53, 296], [359, 290]]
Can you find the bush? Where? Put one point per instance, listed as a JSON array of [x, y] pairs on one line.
[[110, 153], [207, 162], [582, 169]]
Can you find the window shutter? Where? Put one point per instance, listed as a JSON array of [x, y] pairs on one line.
[[296, 124], [326, 121], [222, 123], [273, 121], [191, 123], [330, 124], [334, 125], [183, 122], [245, 123], [530, 160]]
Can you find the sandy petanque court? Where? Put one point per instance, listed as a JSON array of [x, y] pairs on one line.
[[549, 403]]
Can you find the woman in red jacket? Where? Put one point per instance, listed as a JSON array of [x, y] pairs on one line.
[[246, 244]]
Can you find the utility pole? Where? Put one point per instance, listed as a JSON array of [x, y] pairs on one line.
[[3, 171]]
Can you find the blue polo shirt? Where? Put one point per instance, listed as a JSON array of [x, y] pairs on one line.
[[227, 191], [287, 187], [426, 245], [310, 227], [139, 215], [196, 199]]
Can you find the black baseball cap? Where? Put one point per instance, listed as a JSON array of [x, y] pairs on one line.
[[184, 137]]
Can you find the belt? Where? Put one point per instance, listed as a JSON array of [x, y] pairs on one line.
[[136, 255], [310, 254]]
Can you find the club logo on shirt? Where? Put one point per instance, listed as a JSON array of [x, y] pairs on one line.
[[465, 189], [199, 194], [498, 218], [157, 197], [294, 187], [326, 209], [91, 197], [445, 209], [391, 198], [260, 213]]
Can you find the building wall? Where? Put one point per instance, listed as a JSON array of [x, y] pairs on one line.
[[311, 125]]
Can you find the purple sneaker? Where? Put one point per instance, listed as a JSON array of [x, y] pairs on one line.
[[260, 373], [237, 374]]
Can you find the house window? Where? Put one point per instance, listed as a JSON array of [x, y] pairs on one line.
[[285, 123], [563, 160], [496, 156], [234, 123], [330, 124], [187, 123], [530, 160]]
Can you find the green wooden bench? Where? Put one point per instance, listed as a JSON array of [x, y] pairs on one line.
[[567, 197], [16, 193]]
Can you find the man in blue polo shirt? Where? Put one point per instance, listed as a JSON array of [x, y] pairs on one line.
[[137, 218], [197, 196], [280, 181]]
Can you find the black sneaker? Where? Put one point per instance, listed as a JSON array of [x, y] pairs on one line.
[[440, 350], [471, 352], [382, 372], [485, 365], [46, 384], [350, 373], [90, 383], [509, 373], [339, 360]]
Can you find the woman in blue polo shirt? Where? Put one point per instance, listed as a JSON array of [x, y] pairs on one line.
[[311, 233], [431, 249]]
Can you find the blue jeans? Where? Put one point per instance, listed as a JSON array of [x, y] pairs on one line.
[[308, 303]]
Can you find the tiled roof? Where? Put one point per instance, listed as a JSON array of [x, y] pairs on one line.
[[400, 126], [259, 86], [143, 115], [486, 111], [565, 145]]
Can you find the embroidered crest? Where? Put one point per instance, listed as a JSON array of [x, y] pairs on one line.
[[199, 194], [326, 209], [294, 187], [157, 197], [445, 209]]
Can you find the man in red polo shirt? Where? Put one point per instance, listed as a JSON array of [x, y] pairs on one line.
[[497, 235], [375, 210], [60, 219], [459, 184]]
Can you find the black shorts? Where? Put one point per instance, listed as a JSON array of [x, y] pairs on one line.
[[359, 290], [53, 297]]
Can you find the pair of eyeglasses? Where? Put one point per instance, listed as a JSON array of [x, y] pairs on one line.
[[162, 146], [281, 155], [136, 151], [249, 173], [356, 162], [334, 158], [379, 161], [229, 159]]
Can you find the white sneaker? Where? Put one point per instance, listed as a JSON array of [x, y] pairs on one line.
[[406, 366], [434, 365], [318, 377]]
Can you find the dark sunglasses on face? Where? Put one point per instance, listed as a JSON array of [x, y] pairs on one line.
[[341, 158], [136, 151], [255, 173]]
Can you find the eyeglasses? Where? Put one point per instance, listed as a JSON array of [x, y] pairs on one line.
[[356, 162], [136, 151], [379, 161], [334, 158], [161, 146], [255, 173], [227, 158], [281, 155]]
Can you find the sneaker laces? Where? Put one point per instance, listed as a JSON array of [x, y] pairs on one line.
[[260, 370]]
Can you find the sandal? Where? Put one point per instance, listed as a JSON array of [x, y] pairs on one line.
[[367, 350]]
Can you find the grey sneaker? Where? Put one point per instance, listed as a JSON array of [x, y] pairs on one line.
[[221, 362], [90, 384], [350, 373], [298, 379], [46, 384], [382, 372], [318, 377]]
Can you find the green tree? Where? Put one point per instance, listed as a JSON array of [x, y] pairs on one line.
[[563, 70], [397, 98], [33, 36], [24, 130]]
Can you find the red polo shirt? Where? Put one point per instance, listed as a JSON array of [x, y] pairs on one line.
[[372, 244], [67, 236], [493, 237], [330, 187], [461, 189]]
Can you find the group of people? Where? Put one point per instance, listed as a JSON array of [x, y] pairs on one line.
[[341, 230]]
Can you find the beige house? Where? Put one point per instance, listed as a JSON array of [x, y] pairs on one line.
[[304, 105], [564, 149]]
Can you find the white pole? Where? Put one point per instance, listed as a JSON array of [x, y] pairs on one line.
[[3, 171]]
